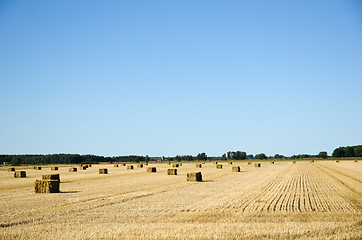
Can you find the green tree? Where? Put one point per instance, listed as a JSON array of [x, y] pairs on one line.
[[201, 156], [147, 159], [261, 156], [323, 155], [223, 157]]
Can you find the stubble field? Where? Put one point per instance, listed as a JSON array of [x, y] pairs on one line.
[[285, 200]]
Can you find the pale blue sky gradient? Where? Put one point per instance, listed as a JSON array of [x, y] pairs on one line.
[[180, 77]]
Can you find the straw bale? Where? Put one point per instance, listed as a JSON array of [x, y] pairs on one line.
[[130, 167], [337, 161], [140, 165], [218, 166], [123, 164], [175, 165], [215, 162], [194, 177], [116, 165], [83, 168], [37, 168], [271, 162], [54, 168], [199, 165], [257, 164], [73, 169], [103, 171], [249, 163], [171, 171], [230, 163], [294, 161], [11, 169], [355, 160], [235, 169], [19, 174], [51, 177], [46, 186], [312, 161], [151, 169]]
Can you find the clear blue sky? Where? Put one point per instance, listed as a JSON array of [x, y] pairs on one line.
[[180, 77]]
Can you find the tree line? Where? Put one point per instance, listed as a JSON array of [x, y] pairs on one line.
[[348, 151]]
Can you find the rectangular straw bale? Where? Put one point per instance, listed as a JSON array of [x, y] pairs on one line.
[[73, 169], [249, 163], [19, 174], [294, 161], [51, 177], [337, 161], [215, 162], [151, 169], [103, 171], [230, 163], [257, 164], [11, 169], [199, 165], [129, 167], [37, 168], [140, 165], [116, 165], [203, 163], [235, 169], [171, 171], [218, 166], [146, 163], [46, 186], [175, 165], [194, 177], [355, 160], [271, 162], [123, 164], [312, 161], [54, 168], [83, 168]]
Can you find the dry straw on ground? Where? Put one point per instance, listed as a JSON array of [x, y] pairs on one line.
[[103, 171], [236, 169], [219, 166], [46, 186], [151, 169], [19, 174], [194, 177], [171, 171]]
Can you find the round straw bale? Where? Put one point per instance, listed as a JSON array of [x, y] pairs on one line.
[[172, 171]]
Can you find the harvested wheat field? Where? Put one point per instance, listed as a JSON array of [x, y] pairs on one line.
[[320, 200]]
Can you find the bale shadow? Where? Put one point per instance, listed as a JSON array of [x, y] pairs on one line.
[[69, 191], [208, 181]]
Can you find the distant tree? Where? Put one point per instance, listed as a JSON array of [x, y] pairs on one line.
[[147, 159], [323, 155], [223, 157], [178, 158], [278, 156], [201, 156], [261, 156], [16, 161]]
